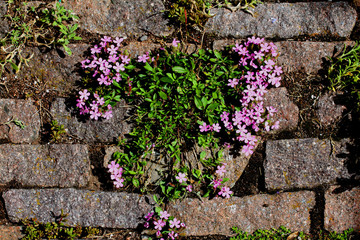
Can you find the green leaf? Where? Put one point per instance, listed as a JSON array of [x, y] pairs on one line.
[[198, 103], [204, 101], [166, 79], [148, 67], [135, 182], [132, 172], [202, 155], [179, 69], [158, 210], [14, 66], [67, 50], [217, 54], [129, 67], [163, 95], [212, 106]]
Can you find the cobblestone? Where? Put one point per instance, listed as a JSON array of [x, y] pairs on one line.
[[23, 111], [299, 56], [342, 210], [121, 18], [218, 216], [90, 130], [285, 20], [304, 163], [85, 208], [45, 165]]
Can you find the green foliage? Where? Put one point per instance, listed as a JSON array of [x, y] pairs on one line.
[[195, 13], [35, 230], [344, 72], [173, 98], [57, 131], [44, 25], [282, 233], [15, 121]]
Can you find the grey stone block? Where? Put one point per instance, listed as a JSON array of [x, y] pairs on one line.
[[21, 110], [85, 208], [45, 165], [304, 163], [218, 216], [286, 20]]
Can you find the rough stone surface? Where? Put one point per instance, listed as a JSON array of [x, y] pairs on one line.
[[217, 216], [285, 20], [4, 25], [85, 208], [10, 232], [56, 70], [90, 130], [21, 110], [328, 112], [287, 112], [138, 48], [45, 165], [304, 163], [296, 56], [307, 56], [342, 210], [121, 17]]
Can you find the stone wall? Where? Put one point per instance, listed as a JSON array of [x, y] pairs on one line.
[[305, 181]]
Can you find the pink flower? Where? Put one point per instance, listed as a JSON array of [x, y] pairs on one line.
[[225, 192], [247, 150], [107, 115], [189, 188], [143, 58], [112, 50], [106, 39], [159, 224], [216, 127], [113, 166], [119, 182], [175, 42], [149, 216], [119, 67], [95, 49], [203, 127], [216, 183], [233, 82], [278, 70], [164, 214], [181, 177], [125, 59], [118, 41], [276, 125], [84, 94], [221, 170], [174, 223]]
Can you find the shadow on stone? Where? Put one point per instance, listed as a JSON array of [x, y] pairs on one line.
[[96, 155], [317, 213], [252, 181]]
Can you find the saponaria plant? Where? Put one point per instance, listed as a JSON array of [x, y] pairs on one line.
[[207, 99]]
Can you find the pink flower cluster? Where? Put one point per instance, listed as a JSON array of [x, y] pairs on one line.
[[166, 225], [106, 63], [225, 191], [116, 174], [181, 178], [260, 73]]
